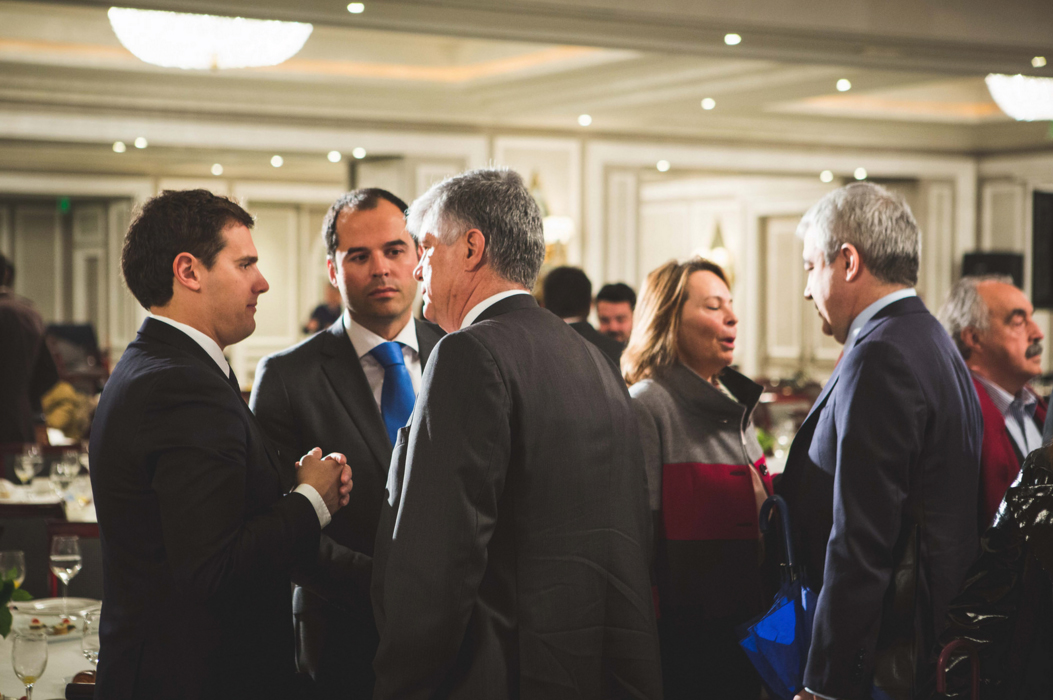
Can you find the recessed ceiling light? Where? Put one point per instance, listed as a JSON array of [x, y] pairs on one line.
[[860, 173], [217, 169], [826, 176], [709, 103], [356, 8], [1038, 61], [844, 85], [662, 165], [141, 142], [119, 147], [277, 161], [359, 153], [732, 39], [584, 119], [334, 156]]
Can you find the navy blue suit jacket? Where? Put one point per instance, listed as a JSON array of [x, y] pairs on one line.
[[881, 484]]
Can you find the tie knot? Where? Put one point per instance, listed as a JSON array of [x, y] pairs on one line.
[[388, 354]]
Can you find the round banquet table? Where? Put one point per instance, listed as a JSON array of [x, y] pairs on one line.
[[64, 661]]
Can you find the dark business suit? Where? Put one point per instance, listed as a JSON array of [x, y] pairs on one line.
[[27, 370], [881, 483], [611, 347], [316, 394], [518, 567], [198, 534]]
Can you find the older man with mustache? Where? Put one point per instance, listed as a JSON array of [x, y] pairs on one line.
[[991, 322]]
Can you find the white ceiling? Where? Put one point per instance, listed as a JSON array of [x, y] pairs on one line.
[[65, 59]]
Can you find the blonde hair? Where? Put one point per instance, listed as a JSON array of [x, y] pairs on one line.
[[656, 322]]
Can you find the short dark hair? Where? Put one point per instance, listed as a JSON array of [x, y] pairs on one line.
[[567, 292], [174, 222], [7, 272], [363, 199], [617, 293]]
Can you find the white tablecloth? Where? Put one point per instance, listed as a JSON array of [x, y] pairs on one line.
[[64, 661]]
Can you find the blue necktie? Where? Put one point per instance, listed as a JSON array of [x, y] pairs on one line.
[[396, 396]]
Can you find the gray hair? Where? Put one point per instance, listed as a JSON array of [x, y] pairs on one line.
[[966, 308], [498, 203], [877, 222]]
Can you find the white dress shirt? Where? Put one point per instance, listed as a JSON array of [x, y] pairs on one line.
[[486, 303], [365, 340], [216, 353], [1019, 414], [870, 312]]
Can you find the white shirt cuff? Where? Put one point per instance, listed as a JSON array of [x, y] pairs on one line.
[[315, 498], [821, 697]]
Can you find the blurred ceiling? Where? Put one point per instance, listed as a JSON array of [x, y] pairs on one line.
[[916, 71]]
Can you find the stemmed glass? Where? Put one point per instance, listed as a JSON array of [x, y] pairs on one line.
[[13, 567], [28, 464], [29, 656], [89, 643], [65, 562], [65, 470]]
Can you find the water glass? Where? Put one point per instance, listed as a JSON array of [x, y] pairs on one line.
[[65, 562], [13, 567], [64, 471], [28, 464], [89, 643], [29, 657]]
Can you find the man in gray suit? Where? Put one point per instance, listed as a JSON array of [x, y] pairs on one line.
[[350, 387], [512, 554]]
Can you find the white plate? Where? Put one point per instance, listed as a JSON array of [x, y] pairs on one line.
[[52, 606], [49, 612]]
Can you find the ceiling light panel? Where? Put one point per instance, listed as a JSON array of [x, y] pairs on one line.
[[203, 42]]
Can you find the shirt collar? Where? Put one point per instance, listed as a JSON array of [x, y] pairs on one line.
[[486, 303], [870, 312], [1002, 399], [365, 340], [207, 344]]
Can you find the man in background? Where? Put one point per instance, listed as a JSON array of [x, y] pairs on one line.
[[881, 478], [512, 556], [567, 293], [27, 370], [990, 321], [326, 313], [351, 387], [201, 522], [615, 304]]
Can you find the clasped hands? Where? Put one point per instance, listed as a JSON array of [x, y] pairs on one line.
[[330, 476]]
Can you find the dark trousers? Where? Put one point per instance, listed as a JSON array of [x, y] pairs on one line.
[[334, 648], [701, 659]]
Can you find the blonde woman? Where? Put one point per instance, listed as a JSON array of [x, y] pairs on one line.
[[706, 476]]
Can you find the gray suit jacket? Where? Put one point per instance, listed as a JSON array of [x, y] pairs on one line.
[[316, 394], [518, 567]]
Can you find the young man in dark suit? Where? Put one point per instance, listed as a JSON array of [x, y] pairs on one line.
[[334, 389], [512, 556], [201, 521], [567, 293], [881, 479]]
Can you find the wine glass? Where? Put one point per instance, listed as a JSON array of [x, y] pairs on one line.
[[28, 464], [63, 471], [13, 567], [65, 562], [29, 656], [89, 643]]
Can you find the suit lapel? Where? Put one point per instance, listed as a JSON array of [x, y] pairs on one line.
[[159, 330], [344, 371], [427, 336]]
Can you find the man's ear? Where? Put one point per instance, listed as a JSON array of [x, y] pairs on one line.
[[970, 338], [475, 244], [330, 267], [853, 264], [187, 271]]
